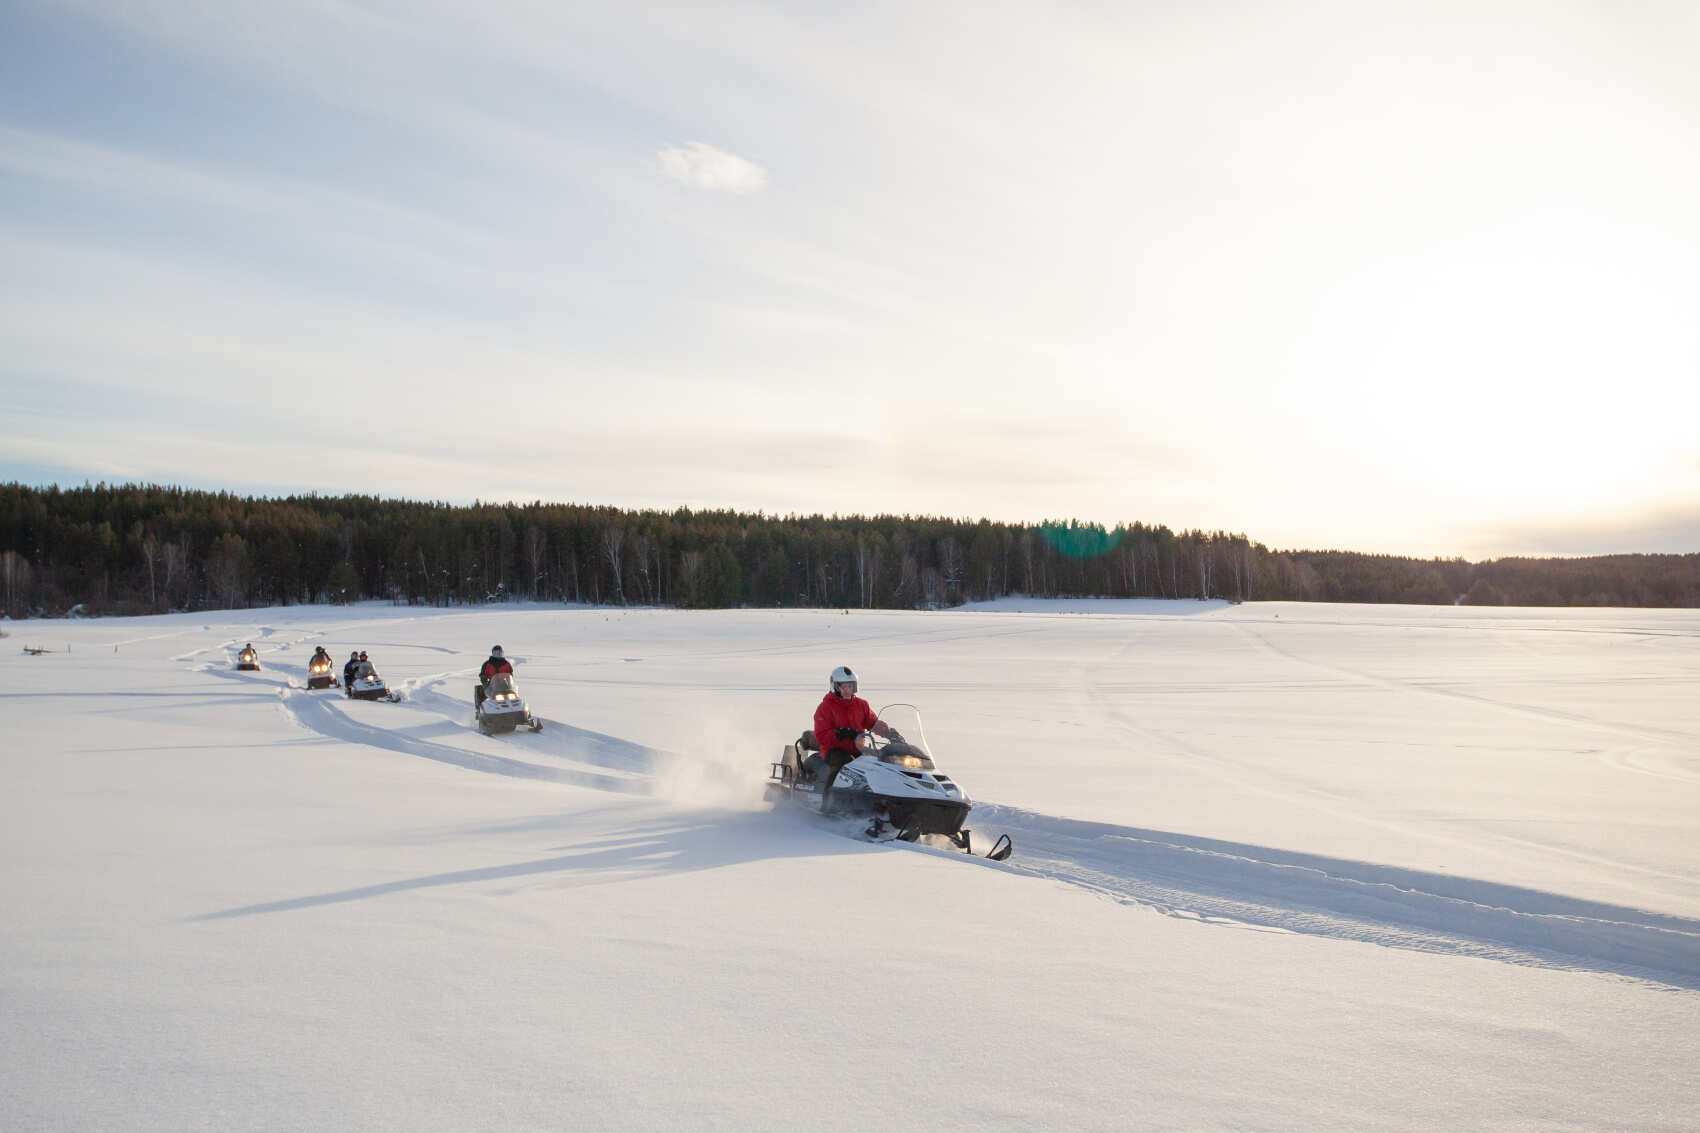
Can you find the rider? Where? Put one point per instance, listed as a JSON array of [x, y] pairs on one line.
[[496, 664], [348, 669], [319, 654], [841, 717]]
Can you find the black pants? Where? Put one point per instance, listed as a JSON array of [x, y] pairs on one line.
[[835, 761]]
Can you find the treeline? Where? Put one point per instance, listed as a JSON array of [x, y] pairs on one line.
[[1602, 580], [139, 549]]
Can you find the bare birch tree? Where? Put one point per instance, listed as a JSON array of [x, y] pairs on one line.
[[15, 572], [690, 574], [175, 559], [612, 539], [643, 547], [150, 555], [536, 556], [862, 569], [950, 563]]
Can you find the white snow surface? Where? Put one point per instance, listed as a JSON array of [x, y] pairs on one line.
[[1276, 867]]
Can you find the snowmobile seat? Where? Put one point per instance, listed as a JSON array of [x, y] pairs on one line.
[[813, 770]]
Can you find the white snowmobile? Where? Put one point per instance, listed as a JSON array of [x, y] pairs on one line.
[[319, 672], [248, 659], [893, 783], [366, 684], [501, 709]]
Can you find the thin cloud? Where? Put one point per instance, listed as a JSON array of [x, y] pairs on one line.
[[701, 165]]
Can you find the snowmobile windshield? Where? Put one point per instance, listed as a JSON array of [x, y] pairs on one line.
[[907, 745], [499, 683]]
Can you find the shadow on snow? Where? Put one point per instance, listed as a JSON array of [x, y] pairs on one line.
[[673, 843], [1204, 878]]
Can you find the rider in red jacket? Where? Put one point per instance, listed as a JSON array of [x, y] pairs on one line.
[[842, 716], [496, 664]]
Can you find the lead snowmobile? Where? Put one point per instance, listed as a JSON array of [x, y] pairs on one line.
[[248, 659], [893, 783], [501, 709]]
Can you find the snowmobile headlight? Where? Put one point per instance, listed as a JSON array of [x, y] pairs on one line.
[[912, 762]]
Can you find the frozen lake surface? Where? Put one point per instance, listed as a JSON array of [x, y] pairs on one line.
[[1276, 866]]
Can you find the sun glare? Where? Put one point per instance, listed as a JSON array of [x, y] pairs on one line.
[[1533, 369]]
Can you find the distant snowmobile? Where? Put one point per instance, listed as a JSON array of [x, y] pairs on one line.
[[248, 659], [894, 783], [366, 684], [501, 709]]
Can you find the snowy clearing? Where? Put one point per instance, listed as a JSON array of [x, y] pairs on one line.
[[1276, 866]]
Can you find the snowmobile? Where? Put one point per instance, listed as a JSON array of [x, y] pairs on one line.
[[319, 673], [893, 783], [366, 684], [248, 659], [501, 709]]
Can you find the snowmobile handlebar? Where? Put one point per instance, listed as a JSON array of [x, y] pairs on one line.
[[867, 740]]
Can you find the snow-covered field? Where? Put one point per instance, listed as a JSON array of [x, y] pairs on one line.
[[1276, 866]]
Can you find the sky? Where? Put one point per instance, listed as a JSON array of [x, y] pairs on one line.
[[1406, 278]]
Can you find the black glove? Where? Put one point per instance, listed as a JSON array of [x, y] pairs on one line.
[[847, 733]]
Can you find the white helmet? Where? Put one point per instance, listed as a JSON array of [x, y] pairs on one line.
[[842, 681]]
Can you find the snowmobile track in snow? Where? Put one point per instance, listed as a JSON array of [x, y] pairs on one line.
[[1201, 878], [324, 714]]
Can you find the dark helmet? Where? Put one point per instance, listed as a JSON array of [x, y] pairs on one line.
[[495, 651], [355, 656], [363, 656]]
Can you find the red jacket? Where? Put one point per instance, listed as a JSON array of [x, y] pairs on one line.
[[834, 713], [493, 666]]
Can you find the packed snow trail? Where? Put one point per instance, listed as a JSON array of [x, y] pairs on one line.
[[326, 716], [1202, 878]]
